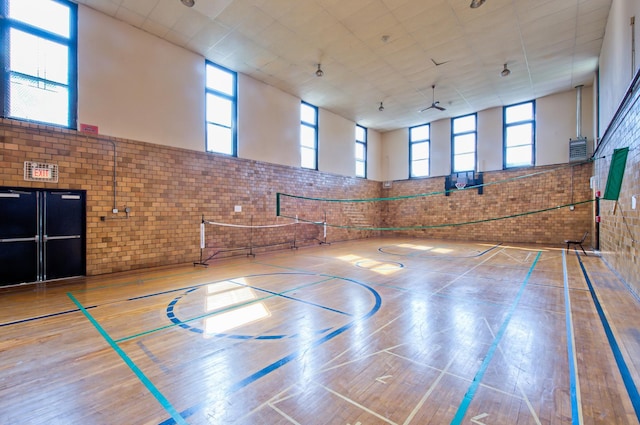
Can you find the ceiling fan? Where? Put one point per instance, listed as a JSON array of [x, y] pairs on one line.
[[434, 103]]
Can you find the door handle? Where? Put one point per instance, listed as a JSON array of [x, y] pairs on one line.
[[34, 239]]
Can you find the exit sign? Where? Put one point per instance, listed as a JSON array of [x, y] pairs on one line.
[[38, 171]]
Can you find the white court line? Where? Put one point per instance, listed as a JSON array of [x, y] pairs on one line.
[[428, 393], [524, 395], [368, 337], [470, 270], [437, 369], [289, 418], [348, 400]]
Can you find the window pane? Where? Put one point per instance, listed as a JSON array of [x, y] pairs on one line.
[[219, 110], [220, 80], [219, 139], [360, 151], [419, 133], [419, 151], [33, 99], [519, 135], [464, 124], [464, 162], [308, 136], [420, 168], [38, 57], [308, 158], [45, 14], [464, 144], [523, 112], [519, 156], [360, 134], [360, 169], [307, 113]]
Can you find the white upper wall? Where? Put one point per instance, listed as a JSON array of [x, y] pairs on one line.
[[555, 126], [616, 70], [269, 123], [136, 86]]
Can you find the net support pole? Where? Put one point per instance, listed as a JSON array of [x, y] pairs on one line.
[[324, 230], [251, 238], [203, 245], [295, 232]]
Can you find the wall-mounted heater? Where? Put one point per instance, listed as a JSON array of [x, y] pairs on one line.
[[578, 149]]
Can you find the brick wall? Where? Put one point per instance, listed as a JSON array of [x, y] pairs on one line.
[[620, 226], [517, 193], [169, 190]]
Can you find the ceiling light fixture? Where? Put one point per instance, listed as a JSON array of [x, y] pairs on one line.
[[319, 72], [381, 108], [188, 3], [476, 3], [506, 71]]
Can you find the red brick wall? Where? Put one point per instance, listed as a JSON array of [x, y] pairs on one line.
[[169, 190], [620, 226], [506, 193]]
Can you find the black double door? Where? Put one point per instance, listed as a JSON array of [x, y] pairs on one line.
[[42, 235]]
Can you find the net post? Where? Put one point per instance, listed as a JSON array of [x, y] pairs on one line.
[[251, 238], [278, 204]]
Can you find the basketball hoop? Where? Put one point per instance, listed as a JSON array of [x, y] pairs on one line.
[[461, 185]]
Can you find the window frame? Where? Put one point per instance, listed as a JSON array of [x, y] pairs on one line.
[[412, 160], [233, 98], [362, 143], [313, 126], [464, 133], [506, 125], [8, 24]]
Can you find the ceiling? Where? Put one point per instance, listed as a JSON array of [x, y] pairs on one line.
[[389, 51]]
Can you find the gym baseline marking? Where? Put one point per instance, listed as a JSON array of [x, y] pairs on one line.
[[46, 316], [615, 348], [471, 392], [576, 410], [141, 376]]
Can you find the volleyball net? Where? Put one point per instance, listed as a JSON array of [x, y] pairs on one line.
[[507, 205], [219, 238]]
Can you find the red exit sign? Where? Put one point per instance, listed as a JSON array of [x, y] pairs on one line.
[[41, 173]]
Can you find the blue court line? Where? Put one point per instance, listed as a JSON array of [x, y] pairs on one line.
[[576, 414], [202, 316], [615, 348], [286, 359], [281, 294], [31, 319], [471, 392], [141, 376]]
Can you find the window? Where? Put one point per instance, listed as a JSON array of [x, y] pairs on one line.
[[519, 135], [463, 140], [361, 151], [419, 147], [39, 61], [308, 136], [221, 104]]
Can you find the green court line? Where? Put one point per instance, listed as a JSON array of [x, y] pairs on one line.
[[137, 281], [134, 368], [213, 313]]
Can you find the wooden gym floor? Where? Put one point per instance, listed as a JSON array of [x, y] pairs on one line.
[[376, 331]]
